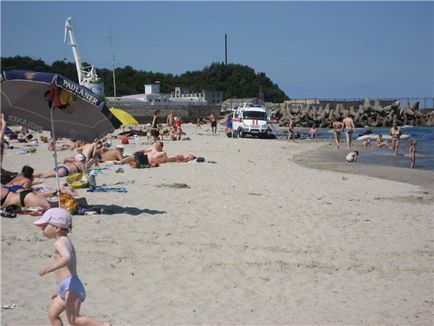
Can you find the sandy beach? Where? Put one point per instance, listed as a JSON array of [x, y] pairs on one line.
[[273, 233]]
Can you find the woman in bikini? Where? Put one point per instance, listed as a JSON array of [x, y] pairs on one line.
[[338, 126], [68, 168], [395, 132], [22, 181], [24, 198]]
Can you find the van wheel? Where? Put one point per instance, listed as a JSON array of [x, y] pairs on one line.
[[241, 134]]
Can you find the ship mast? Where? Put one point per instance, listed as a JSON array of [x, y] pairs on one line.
[[73, 42], [87, 78]]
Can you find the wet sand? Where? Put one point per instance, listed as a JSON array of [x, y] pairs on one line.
[[328, 157]]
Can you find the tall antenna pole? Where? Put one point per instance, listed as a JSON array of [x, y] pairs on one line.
[[113, 62], [226, 49]]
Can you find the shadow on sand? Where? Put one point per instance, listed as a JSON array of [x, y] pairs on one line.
[[115, 209]]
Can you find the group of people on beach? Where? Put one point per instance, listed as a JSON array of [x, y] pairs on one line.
[[346, 125], [20, 190], [17, 191], [173, 124]]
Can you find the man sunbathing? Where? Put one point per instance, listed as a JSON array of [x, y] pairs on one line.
[[156, 155]]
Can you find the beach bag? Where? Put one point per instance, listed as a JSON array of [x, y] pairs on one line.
[[69, 203], [141, 160]]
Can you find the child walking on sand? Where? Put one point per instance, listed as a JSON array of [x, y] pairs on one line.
[[56, 223]]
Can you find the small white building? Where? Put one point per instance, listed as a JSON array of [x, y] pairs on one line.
[[181, 96], [151, 96]]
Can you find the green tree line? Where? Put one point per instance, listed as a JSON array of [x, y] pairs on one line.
[[234, 80]]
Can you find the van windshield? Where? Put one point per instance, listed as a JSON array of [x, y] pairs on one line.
[[255, 115]]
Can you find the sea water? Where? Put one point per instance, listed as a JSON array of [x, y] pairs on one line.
[[424, 149], [385, 156]]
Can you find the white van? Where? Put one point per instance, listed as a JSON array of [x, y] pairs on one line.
[[251, 119]]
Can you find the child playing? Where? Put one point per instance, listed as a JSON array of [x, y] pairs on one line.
[[412, 154], [352, 157], [56, 223]]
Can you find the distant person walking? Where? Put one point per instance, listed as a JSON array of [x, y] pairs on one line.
[[338, 126], [291, 130], [349, 128], [412, 154], [312, 132], [155, 130], [213, 121], [228, 127]]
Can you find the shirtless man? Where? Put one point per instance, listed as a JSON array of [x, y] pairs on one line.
[[349, 128], [213, 121], [170, 120], [156, 155], [338, 126]]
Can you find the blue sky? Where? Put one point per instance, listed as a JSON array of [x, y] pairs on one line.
[[309, 49]]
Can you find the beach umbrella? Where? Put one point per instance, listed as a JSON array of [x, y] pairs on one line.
[[47, 101], [124, 117], [27, 99]]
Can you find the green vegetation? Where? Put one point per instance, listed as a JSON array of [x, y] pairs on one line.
[[234, 80]]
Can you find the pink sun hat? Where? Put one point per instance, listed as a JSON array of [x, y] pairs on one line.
[[57, 217]]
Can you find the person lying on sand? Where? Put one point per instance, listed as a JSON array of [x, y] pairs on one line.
[[66, 169], [24, 180], [90, 152], [116, 155], [75, 144], [156, 155], [25, 198]]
